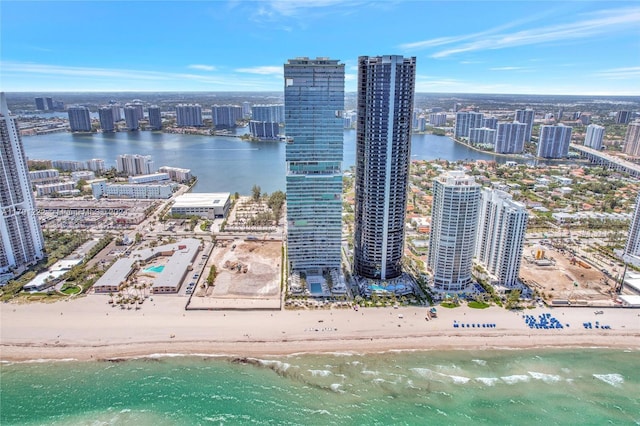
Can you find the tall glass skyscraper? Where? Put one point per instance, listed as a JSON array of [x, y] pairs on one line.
[[386, 87], [20, 234], [314, 102]]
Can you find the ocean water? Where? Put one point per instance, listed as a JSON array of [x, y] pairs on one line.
[[577, 386]]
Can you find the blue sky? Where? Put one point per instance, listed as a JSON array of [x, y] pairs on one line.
[[540, 47]]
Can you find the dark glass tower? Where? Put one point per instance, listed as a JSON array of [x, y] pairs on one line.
[[386, 87]]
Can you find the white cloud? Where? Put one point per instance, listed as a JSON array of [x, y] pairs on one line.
[[604, 21], [262, 70], [508, 69], [90, 78], [202, 67], [624, 73]]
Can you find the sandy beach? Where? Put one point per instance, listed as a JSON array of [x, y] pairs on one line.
[[89, 328]]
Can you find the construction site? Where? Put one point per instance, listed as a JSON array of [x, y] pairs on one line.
[[563, 278], [247, 275]]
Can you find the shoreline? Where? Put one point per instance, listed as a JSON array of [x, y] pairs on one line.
[[35, 353], [89, 328]]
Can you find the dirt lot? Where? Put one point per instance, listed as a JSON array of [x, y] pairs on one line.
[[557, 281], [262, 262]]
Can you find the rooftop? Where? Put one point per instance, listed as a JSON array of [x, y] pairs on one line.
[[209, 199]]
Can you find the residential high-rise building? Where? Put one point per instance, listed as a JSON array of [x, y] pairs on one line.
[[461, 128], [632, 247], [554, 141], [139, 107], [466, 120], [526, 116], [134, 164], [510, 138], [79, 118], [273, 113], [107, 123], [246, 109], [454, 219], [155, 118], [386, 86], [40, 105], [49, 103], [500, 238], [314, 102], [131, 118], [96, 165], [264, 129], [482, 135], [623, 117], [594, 136], [490, 123], [21, 238], [438, 119], [117, 112], [189, 115], [632, 140], [225, 116]]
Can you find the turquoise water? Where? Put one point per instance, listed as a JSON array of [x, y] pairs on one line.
[[158, 269], [316, 288], [460, 387]]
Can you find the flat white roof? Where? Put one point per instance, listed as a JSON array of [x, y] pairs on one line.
[[205, 199], [630, 299]]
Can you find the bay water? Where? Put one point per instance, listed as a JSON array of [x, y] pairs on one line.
[[571, 386], [222, 164]]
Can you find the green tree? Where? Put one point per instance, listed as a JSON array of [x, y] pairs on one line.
[[255, 191]]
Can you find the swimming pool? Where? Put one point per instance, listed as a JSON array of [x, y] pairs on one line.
[[316, 288], [157, 269]]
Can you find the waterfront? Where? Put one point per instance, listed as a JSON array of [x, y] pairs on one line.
[[222, 164], [590, 386]]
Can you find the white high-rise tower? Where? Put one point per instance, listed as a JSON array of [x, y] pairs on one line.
[[20, 233], [454, 220], [500, 239]]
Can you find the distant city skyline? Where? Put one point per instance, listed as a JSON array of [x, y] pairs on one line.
[[556, 48]]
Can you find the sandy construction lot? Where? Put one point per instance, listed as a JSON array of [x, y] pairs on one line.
[[557, 281], [246, 269]]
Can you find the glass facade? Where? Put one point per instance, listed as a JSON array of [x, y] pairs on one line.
[[383, 151], [314, 103]]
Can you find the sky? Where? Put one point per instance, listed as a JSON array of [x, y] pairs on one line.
[[519, 47]]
